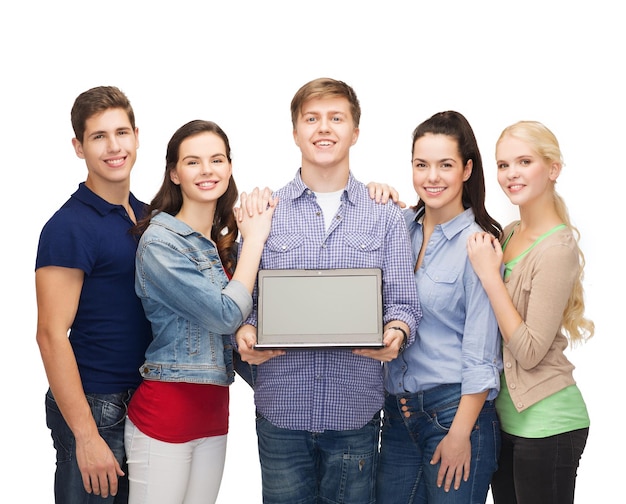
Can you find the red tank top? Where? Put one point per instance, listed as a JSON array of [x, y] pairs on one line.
[[177, 412]]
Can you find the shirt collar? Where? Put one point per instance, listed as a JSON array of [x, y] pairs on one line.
[[171, 223], [102, 206], [297, 188], [454, 226]]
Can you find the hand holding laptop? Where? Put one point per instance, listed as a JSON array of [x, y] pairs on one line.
[[246, 340], [394, 340]]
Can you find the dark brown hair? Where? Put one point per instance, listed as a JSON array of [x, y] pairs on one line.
[[96, 100], [169, 198], [456, 126]]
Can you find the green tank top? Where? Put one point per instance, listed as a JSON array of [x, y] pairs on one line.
[[563, 411]]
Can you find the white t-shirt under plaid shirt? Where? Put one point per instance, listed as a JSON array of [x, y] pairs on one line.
[[334, 389]]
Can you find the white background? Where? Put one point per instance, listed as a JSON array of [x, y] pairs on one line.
[[239, 63]]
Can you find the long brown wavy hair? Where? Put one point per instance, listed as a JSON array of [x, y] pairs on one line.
[[169, 198]]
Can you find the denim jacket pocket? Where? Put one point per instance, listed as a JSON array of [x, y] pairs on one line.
[[203, 259]]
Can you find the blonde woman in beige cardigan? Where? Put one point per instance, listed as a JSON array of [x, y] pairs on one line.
[[538, 302]]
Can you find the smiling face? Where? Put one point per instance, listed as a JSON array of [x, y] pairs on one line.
[[439, 174], [109, 148], [325, 132], [203, 170], [523, 174]]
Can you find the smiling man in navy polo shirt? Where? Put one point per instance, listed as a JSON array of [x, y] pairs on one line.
[[85, 288]]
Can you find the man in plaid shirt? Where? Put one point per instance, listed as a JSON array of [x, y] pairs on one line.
[[318, 412]]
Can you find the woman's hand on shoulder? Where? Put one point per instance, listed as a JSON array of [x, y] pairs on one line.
[[256, 201], [254, 213], [485, 254], [381, 193]]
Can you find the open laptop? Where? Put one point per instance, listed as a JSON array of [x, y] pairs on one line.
[[325, 308]]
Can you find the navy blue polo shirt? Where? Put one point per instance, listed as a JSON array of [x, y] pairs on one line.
[[110, 332]]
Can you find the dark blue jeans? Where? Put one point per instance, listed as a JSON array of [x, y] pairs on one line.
[[330, 467], [413, 426], [538, 471], [109, 411]]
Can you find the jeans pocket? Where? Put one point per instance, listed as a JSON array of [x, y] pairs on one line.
[[443, 417], [109, 410], [62, 437]]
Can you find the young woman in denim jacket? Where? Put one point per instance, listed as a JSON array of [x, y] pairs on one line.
[[539, 304], [178, 418]]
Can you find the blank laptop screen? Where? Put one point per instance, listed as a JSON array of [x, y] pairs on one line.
[[319, 308]]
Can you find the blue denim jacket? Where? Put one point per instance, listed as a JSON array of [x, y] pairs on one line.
[[192, 306]]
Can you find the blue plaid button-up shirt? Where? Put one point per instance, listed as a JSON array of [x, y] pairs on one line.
[[334, 389]]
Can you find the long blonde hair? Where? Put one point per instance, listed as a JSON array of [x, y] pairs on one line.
[[576, 326]]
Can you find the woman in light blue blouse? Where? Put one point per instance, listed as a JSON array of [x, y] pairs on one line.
[[441, 436]]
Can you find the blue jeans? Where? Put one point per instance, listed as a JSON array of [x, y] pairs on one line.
[[413, 426], [543, 470], [330, 467], [109, 412]]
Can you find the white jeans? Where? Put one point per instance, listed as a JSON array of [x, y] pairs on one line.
[[173, 473]]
